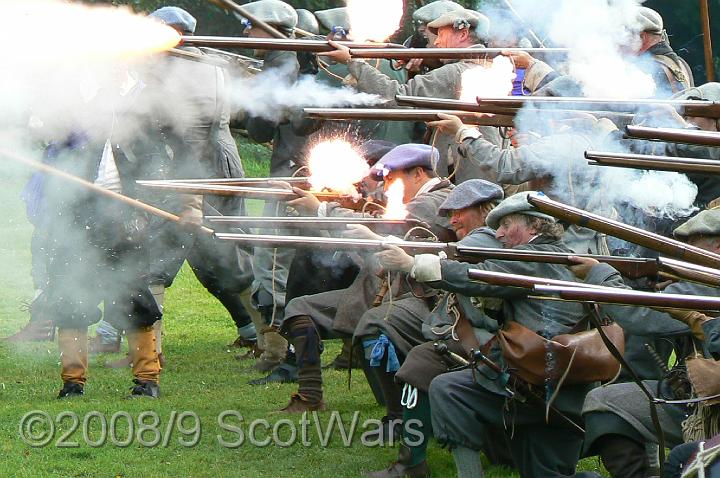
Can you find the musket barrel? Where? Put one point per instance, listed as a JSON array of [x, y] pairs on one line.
[[446, 53], [406, 115], [314, 223], [674, 135], [99, 190], [633, 267], [702, 108], [690, 272], [631, 297], [283, 44], [451, 104], [522, 281], [276, 194], [299, 182], [658, 163], [221, 190], [299, 242], [625, 232], [509, 110], [568, 101]]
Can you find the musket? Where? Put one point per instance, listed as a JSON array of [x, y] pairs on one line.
[[522, 281], [283, 44], [657, 163], [299, 182], [385, 226], [631, 297], [451, 104], [700, 108], [266, 194], [383, 114], [674, 135], [108, 193], [641, 237], [447, 53], [632, 267]]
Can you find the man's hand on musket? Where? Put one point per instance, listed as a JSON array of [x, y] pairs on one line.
[[448, 124], [340, 55], [415, 65], [395, 259], [191, 216], [582, 266], [358, 231], [306, 203], [521, 59]]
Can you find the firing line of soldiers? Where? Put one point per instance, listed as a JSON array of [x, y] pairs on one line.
[[436, 346]]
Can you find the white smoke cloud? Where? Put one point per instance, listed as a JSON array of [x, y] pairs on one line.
[[596, 188], [272, 94], [596, 32], [599, 33]]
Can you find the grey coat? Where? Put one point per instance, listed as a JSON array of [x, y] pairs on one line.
[[438, 325], [546, 318]]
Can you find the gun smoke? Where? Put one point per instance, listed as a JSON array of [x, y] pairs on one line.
[[272, 96]]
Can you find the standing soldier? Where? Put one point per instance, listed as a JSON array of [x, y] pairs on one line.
[[289, 151], [455, 29], [98, 249], [423, 37], [669, 71], [337, 23]]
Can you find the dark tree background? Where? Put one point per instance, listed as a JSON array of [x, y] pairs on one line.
[[682, 20]]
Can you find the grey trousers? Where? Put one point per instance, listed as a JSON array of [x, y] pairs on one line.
[[463, 410]]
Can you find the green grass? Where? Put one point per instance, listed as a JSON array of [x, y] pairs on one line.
[[201, 377], [255, 157]]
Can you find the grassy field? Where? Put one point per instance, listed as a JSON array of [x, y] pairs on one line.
[[202, 380]]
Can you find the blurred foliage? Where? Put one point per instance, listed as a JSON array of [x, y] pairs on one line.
[[682, 20]]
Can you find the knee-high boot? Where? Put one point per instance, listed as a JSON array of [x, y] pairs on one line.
[[308, 347]]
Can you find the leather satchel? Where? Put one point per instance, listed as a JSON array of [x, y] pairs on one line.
[[575, 358], [704, 374]]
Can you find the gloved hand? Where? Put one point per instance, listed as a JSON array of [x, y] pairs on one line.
[[693, 319], [395, 259]]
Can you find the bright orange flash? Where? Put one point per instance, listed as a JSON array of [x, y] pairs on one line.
[[56, 30], [395, 208], [335, 165], [374, 20]]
